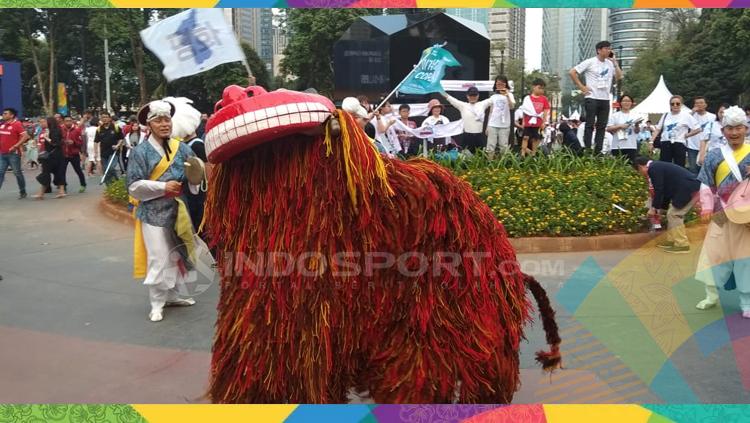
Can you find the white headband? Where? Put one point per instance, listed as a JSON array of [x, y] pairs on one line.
[[158, 108]]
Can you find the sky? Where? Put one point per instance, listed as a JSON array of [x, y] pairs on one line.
[[533, 43]]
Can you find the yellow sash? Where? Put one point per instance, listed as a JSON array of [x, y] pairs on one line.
[[140, 258], [723, 170]]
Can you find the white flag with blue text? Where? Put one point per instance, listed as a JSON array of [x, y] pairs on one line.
[[191, 42]]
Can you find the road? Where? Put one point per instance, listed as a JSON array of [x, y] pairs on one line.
[[74, 328]]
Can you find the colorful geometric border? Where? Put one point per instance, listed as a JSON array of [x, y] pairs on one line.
[[380, 3], [188, 413]]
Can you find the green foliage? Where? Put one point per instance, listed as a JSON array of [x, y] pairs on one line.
[[560, 195], [309, 53], [116, 192], [707, 57], [78, 39]]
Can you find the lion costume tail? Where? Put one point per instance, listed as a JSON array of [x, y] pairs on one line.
[[550, 360]]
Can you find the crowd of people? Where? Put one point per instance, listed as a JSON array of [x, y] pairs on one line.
[[93, 145]]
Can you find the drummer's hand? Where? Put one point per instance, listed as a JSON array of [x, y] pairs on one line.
[[173, 189]]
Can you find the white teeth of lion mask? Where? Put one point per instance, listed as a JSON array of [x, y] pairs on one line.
[[268, 118], [247, 117]]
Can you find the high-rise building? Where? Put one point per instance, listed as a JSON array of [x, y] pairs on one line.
[[279, 40], [569, 36], [507, 28], [631, 30], [279, 44], [477, 15], [255, 27]]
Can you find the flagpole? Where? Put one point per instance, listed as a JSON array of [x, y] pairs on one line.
[[407, 77], [250, 76]]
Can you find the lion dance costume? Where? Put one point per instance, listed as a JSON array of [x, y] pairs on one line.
[[295, 175]]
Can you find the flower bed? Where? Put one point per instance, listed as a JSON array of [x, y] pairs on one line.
[[561, 195], [116, 192]]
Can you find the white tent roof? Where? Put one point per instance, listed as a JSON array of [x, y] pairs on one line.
[[657, 102]]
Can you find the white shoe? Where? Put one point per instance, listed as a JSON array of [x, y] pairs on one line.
[[180, 302], [156, 316], [746, 314], [705, 304]]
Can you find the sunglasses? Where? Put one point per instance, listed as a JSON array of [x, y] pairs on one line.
[[675, 104]]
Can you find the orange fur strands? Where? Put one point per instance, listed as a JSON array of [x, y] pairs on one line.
[[341, 318]]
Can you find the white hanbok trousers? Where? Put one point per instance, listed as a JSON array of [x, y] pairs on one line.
[[163, 276]]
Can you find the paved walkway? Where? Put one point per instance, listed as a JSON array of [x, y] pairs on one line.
[[74, 329]]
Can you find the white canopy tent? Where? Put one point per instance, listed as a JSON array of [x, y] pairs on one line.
[[657, 102]]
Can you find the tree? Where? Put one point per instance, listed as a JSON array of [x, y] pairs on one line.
[[706, 58], [121, 27], [309, 53]]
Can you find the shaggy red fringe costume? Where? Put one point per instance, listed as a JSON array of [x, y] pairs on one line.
[[427, 338]]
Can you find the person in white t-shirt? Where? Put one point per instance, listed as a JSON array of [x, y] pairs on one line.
[[498, 127], [435, 117], [92, 149], [715, 136], [705, 119], [472, 114], [675, 127], [599, 72], [384, 130], [624, 128]]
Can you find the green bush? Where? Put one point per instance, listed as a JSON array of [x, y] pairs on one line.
[[560, 195], [116, 192]]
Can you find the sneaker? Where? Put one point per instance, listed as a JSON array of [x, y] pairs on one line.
[[82, 189], [22, 195], [705, 304], [665, 244], [678, 250]]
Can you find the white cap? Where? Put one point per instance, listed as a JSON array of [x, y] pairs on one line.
[[351, 105], [734, 116]]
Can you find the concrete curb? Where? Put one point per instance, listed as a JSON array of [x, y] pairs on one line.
[[522, 245], [596, 243], [115, 211]]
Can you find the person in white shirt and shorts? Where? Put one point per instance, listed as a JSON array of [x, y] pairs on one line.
[[498, 127]]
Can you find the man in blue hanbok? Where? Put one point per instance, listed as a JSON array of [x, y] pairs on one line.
[[726, 249], [164, 237]]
